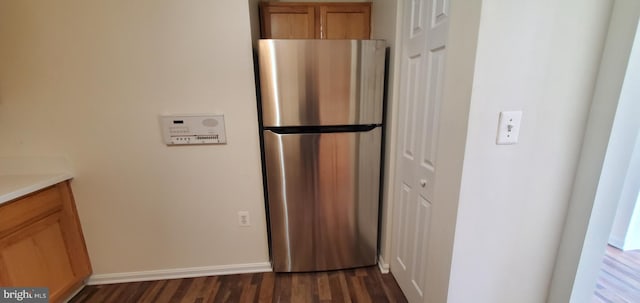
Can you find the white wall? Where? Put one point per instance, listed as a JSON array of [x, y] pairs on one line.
[[625, 233], [384, 26], [88, 79], [540, 57], [591, 210], [632, 240]]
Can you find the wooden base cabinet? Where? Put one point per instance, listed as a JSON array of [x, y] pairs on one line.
[[315, 20], [41, 243]]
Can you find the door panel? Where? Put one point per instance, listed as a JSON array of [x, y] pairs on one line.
[[414, 66], [402, 249], [323, 191], [421, 242], [429, 115], [423, 53]]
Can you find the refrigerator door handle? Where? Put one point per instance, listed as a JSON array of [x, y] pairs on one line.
[[322, 129]]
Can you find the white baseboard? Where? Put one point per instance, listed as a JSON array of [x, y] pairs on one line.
[[616, 242], [384, 266], [178, 273]]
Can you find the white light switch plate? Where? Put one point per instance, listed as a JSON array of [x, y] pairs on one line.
[[509, 127]]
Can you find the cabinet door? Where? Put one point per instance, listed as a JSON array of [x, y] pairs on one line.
[[345, 21], [288, 21], [36, 256], [73, 236], [41, 243]]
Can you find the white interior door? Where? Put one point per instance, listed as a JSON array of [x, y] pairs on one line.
[[422, 57]]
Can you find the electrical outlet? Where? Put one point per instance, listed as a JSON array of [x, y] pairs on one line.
[[243, 218]]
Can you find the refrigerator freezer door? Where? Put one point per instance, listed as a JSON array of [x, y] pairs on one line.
[[321, 82], [323, 199]]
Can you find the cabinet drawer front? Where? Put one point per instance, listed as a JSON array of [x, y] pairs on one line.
[[28, 209]]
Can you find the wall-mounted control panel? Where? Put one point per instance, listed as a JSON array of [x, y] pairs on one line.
[[193, 129]]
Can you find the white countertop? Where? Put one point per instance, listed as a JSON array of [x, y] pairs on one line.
[[15, 186], [22, 175]]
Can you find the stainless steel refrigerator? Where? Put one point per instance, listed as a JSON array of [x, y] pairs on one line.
[[321, 111]]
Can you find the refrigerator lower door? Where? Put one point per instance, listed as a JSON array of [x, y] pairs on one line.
[[323, 191]]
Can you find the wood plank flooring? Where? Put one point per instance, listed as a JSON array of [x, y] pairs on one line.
[[619, 279], [355, 285]]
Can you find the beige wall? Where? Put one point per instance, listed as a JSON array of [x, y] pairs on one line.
[[88, 79]]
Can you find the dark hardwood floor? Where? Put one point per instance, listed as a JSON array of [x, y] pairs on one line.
[[619, 279], [354, 285]]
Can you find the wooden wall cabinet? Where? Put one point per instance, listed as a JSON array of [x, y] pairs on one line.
[[41, 243], [315, 20]]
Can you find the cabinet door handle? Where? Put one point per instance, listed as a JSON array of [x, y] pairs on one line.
[[423, 182]]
